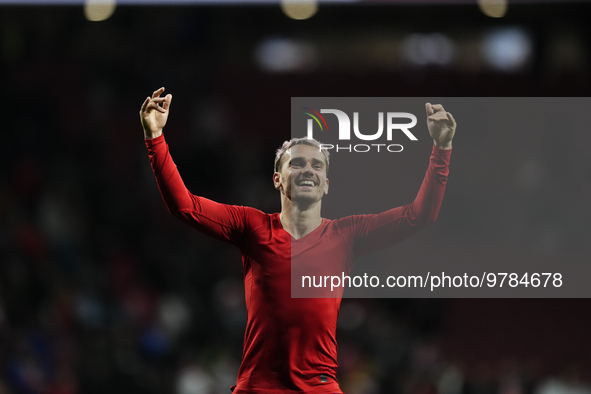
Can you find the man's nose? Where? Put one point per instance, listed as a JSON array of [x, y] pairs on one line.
[[307, 168]]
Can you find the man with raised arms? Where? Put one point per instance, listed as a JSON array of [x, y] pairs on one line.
[[290, 343]]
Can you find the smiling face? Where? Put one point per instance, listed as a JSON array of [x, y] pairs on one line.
[[302, 177]]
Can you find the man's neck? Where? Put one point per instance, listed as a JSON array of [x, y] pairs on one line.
[[299, 221]]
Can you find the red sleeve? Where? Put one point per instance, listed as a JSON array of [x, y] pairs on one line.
[[374, 232], [221, 221]]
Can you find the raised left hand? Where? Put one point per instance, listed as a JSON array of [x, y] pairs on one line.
[[441, 124]]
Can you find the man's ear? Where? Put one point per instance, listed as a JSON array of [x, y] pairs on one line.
[[277, 180], [326, 188]]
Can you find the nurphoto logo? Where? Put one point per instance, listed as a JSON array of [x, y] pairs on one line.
[[392, 125]]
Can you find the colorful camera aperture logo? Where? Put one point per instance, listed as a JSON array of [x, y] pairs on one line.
[[316, 119]]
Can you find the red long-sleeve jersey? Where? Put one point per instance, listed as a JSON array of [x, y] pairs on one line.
[[290, 343]]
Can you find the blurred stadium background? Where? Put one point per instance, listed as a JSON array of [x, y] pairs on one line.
[[101, 291]]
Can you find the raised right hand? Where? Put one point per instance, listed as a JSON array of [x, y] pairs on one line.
[[153, 116]]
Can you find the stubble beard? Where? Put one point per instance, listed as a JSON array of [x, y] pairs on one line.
[[305, 200]]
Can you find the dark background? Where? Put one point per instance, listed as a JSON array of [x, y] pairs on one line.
[[101, 290]]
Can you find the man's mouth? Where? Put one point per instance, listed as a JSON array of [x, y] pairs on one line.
[[306, 183]]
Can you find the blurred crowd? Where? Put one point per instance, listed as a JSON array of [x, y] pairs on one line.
[[101, 290]]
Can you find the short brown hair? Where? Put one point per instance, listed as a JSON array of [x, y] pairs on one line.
[[299, 141]]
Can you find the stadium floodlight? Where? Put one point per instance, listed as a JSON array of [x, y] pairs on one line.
[[299, 9], [493, 8], [507, 49], [99, 10]]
